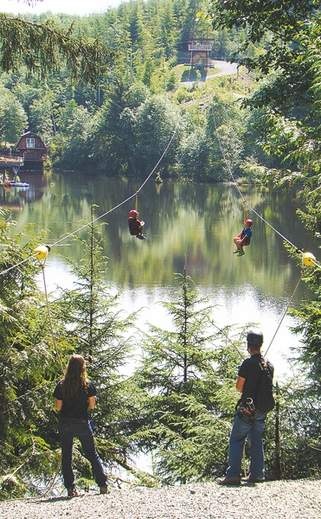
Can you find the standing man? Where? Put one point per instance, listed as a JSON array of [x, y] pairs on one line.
[[254, 381]]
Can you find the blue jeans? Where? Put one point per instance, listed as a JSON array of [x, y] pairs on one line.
[[253, 430], [79, 428]]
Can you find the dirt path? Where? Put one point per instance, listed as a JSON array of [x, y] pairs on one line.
[[273, 500], [221, 68], [224, 68]]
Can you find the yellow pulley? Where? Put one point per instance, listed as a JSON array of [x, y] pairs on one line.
[[41, 252], [308, 259]]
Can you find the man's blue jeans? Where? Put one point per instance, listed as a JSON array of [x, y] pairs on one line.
[[253, 429], [74, 427]]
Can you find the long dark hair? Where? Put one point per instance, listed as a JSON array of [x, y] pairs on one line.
[[75, 377]]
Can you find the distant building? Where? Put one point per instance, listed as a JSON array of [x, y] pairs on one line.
[[33, 150], [199, 50]]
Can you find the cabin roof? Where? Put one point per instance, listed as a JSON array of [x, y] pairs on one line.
[[34, 135]]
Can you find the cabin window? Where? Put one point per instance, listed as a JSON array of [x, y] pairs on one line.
[[31, 142]]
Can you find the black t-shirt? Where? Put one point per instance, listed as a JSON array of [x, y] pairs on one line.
[[77, 406], [250, 370]]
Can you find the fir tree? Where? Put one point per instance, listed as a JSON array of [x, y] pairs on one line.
[[29, 362], [97, 331], [189, 397]]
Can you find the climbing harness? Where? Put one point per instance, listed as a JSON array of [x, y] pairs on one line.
[[135, 225]]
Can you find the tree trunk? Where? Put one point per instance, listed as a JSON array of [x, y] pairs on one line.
[[3, 413], [185, 376], [91, 302], [277, 471]]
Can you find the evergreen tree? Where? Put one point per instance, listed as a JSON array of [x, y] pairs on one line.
[[96, 331], [30, 359], [43, 46], [188, 391]]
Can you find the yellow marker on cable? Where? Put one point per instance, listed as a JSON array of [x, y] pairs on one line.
[[308, 259], [41, 252]]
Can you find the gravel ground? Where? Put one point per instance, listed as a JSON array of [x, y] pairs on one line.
[[277, 500]]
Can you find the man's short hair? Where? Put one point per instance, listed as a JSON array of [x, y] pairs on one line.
[[254, 339]]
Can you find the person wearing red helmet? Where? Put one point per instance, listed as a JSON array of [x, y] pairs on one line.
[[244, 237], [135, 225]]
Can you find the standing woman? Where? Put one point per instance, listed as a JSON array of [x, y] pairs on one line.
[[75, 396]]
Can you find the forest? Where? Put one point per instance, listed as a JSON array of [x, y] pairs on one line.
[[107, 93]]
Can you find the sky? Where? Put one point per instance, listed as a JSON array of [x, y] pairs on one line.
[[79, 7]]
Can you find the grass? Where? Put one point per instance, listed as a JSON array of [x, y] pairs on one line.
[[229, 88]]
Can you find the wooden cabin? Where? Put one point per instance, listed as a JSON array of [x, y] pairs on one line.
[[33, 150], [200, 50]]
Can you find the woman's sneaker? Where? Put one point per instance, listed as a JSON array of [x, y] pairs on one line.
[[252, 480], [103, 489], [233, 482], [72, 492]]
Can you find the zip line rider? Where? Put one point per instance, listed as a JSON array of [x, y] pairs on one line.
[[135, 225], [243, 238]]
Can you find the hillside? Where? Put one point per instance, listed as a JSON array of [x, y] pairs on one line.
[[277, 499]]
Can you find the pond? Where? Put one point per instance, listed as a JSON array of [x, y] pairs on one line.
[[187, 224]]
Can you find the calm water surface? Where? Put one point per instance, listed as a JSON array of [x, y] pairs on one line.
[[186, 224]]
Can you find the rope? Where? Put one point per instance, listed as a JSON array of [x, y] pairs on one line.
[[72, 233], [283, 315], [245, 212], [275, 230], [316, 263], [298, 249], [46, 298]]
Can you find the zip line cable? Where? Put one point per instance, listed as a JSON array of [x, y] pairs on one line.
[[79, 229], [124, 201], [72, 233], [76, 231], [315, 261], [283, 315], [134, 195], [274, 229]]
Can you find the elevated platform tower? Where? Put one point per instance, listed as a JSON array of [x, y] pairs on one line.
[[199, 50]]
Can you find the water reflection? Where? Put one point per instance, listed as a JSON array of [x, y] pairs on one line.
[[190, 224], [15, 198]]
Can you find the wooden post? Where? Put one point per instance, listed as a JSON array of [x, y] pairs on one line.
[[277, 470], [92, 279], [185, 375]]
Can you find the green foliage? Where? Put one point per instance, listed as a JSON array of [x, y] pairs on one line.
[[132, 130], [72, 146], [13, 118], [194, 154], [95, 329], [282, 131], [99, 126], [299, 433], [40, 47], [30, 358], [309, 326], [188, 395]]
